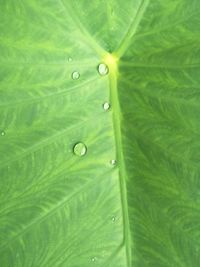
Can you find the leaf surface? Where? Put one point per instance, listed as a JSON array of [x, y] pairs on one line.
[[133, 199]]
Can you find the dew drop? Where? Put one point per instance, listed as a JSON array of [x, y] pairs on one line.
[[75, 75], [106, 106], [113, 162], [2, 133], [69, 59], [80, 149], [103, 69]]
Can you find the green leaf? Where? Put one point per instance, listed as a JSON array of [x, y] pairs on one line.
[[99, 143]]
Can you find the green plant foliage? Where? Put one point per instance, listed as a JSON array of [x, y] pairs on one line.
[[99, 133]]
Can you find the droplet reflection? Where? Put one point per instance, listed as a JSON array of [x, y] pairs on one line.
[[80, 149], [75, 75], [113, 219], [2, 133], [103, 69], [106, 106], [113, 162], [93, 259]]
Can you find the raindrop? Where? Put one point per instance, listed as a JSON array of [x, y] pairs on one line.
[[69, 59], [75, 75], [103, 69], [2, 133], [80, 149], [106, 106], [113, 162]]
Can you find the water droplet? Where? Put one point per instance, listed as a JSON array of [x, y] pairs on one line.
[[69, 59], [113, 219], [106, 106], [113, 162], [75, 75], [2, 133], [93, 259], [80, 149], [103, 69]]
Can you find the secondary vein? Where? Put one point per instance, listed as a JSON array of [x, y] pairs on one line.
[[133, 28]]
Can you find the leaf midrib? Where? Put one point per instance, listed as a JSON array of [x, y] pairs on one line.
[[114, 98]]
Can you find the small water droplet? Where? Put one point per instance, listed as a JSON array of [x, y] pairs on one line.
[[75, 75], [106, 106], [113, 219], [113, 162], [103, 69], [93, 259], [80, 149], [69, 59], [2, 133]]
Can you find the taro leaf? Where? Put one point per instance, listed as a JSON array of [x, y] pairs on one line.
[[100, 169]]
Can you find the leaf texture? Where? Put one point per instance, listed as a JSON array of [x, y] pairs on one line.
[[61, 210]]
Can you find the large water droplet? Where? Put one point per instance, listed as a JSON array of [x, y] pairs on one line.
[[80, 149], [103, 69], [106, 106], [69, 59], [75, 75], [113, 162], [2, 133]]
